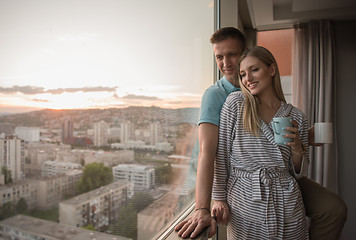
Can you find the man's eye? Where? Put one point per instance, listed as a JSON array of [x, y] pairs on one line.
[[219, 57]]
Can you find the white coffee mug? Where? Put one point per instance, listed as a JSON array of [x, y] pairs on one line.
[[323, 132]]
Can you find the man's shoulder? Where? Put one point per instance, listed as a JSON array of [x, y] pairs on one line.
[[215, 93], [215, 89]]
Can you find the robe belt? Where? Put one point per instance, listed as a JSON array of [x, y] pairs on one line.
[[259, 177], [262, 177]]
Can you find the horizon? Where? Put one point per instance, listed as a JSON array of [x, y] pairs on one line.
[[80, 109]]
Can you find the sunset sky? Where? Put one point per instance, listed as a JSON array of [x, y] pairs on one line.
[[104, 53]]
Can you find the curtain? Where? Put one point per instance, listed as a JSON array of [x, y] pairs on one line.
[[314, 92]]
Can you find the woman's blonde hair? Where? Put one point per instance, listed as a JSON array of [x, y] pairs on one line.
[[251, 111]]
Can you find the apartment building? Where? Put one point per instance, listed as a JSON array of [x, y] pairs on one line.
[[127, 131], [142, 176], [53, 168], [100, 134], [23, 227], [29, 134], [99, 207], [72, 179], [41, 192], [22, 189], [156, 133], [109, 159], [12, 156], [53, 189], [140, 145]]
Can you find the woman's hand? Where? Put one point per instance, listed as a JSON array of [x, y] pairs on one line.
[[296, 145], [221, 211]]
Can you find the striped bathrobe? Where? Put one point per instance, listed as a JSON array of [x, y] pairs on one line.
[[257, 178]]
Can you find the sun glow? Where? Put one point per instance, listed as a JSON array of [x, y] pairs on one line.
[[54, 58]]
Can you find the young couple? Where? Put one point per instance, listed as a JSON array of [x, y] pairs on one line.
[[258, 186]]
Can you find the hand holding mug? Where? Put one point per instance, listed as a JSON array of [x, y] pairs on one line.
[[296, 145]]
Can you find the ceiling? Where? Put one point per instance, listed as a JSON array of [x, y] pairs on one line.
[[277, 14]]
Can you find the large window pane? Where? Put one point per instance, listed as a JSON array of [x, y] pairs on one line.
[[99, 102]]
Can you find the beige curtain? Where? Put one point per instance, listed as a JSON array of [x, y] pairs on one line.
[[314, 92]]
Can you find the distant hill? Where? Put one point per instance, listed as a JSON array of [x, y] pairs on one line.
[[85, 118]]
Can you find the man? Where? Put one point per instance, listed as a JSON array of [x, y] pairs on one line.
[[326, 210]]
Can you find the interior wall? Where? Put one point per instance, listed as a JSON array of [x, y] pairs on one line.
[[345, 46]]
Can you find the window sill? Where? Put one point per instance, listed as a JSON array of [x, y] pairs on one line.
[[170, 234]]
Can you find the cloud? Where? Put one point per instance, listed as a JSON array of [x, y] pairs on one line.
[[83, 89], [140, 97], [22, 89], [30, 90], [39, 100], [175, 102]]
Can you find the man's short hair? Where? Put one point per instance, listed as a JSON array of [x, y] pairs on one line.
[[228, 32]]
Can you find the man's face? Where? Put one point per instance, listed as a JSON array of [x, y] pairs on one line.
[[227, 53]]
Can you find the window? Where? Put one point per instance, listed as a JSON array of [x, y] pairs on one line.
[[111, 82], [279, 42]]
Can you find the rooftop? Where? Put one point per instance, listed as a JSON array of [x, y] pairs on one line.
[[52, 230], [95, 193]]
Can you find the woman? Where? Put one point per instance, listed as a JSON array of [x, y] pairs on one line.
[[254, 175]]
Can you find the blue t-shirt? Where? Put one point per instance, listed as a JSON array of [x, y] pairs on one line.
[[213, 100]]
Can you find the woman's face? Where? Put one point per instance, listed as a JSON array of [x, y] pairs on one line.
[[256, 76]]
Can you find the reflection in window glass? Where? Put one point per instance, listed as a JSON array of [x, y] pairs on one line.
[[99, 104]]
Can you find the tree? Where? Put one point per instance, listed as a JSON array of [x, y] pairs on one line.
[[7, 174], [21, 206], [89, 227], [82, 162], [94, 176], [7, 210]]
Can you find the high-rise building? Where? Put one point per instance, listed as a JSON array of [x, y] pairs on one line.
[[127, 131], [67, 130], [29, 134], [12, 156], [156, 135], [100, 134]]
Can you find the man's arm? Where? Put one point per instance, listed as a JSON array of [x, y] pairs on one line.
[[208, 142]]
